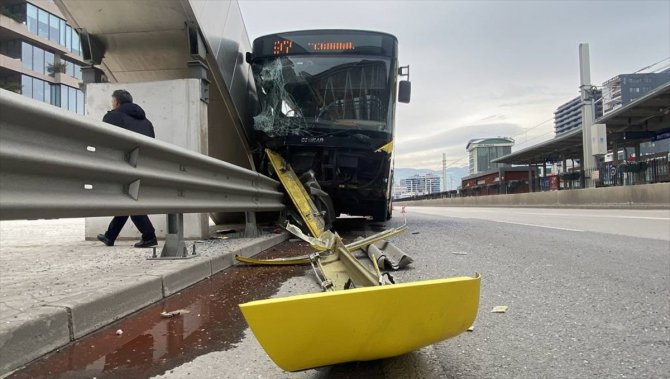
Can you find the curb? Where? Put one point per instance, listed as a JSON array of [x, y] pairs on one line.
[[55, 325], [43, 329]]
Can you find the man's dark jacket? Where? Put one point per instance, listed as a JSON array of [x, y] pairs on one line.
[[132, 117]]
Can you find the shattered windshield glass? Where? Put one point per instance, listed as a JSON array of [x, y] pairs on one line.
[[301, 94]]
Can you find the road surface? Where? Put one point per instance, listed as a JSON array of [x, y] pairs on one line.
[[587, 291]]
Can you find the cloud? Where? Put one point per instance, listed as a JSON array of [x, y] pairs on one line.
[[426, 151], [457, 137], [493, 117], [485, 68]]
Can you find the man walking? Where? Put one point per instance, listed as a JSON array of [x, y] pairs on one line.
[[131, 116]]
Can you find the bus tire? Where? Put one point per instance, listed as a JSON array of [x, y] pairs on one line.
[[380, 213]]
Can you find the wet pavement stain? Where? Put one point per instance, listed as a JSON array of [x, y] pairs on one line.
[[151, 345]]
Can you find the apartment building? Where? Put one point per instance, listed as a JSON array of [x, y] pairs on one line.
[[40, 54]]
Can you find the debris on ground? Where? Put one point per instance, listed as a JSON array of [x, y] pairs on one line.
[[471, 328], [225, 231], [416, 232], [499, 309], [174, 313], [119, 332], [459, 252], [388, 256]]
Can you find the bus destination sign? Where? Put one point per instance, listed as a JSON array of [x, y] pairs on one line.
[[324, 43], [285, 46]]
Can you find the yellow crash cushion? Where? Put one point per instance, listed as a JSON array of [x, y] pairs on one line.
[[313, 330]]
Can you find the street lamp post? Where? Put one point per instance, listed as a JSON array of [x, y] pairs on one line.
[[586, 89]]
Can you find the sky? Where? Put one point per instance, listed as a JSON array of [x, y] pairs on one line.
[[485, 68]]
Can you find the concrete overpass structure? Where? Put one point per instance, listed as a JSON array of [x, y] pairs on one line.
[[157, 40]]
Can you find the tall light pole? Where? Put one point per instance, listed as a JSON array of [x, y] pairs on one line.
[[588, 161], [444, 172]]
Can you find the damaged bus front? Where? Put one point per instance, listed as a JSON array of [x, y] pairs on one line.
[[327, 102]]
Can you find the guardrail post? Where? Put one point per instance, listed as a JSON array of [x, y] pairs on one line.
[[250, 229], [174, 240]]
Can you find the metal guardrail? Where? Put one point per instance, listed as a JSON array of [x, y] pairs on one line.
[[55, 164]]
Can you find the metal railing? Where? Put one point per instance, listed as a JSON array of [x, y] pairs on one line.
[[55, 164], [649, 169]]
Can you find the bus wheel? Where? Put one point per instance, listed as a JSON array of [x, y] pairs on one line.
[[380, 213]]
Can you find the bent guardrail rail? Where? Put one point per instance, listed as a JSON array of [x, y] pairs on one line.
[[55, 164]]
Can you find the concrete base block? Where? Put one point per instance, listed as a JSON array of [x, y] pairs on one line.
[[638, 196], [32, 334], [179, 118], [191, 273], [95, 309]]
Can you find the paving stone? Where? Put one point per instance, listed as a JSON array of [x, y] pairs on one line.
[[49, 269]]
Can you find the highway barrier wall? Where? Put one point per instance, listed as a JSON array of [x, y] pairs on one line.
[[655, 195]]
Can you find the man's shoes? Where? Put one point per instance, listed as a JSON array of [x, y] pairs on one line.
[[147, 243], [103, 238]]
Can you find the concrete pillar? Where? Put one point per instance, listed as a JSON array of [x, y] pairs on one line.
[[582, 171], [91, 74], [639, 177], [615, 162], [625, 175], [564, 170], [179, 117]]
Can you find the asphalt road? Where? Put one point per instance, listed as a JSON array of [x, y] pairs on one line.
[[588, 293], [588, 290]]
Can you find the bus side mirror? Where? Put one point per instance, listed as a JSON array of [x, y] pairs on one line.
[[248, 57], [404, 91]]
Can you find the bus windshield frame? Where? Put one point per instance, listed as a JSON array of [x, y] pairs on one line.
[[303, 92]]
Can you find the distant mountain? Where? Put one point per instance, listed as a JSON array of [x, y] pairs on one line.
[[452, 172]]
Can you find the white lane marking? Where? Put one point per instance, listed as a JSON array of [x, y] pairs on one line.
[[427, 211], [539, 226], [590, 215]]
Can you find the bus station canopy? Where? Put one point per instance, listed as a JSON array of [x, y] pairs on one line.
[[568, 146], [644, 119], [648, 114]]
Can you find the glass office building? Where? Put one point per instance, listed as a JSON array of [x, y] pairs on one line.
[[40, 54], [482, 151]]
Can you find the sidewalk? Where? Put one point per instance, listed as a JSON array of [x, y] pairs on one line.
[[55, 287]]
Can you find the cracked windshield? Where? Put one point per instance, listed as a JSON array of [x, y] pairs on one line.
[[302, 94]]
